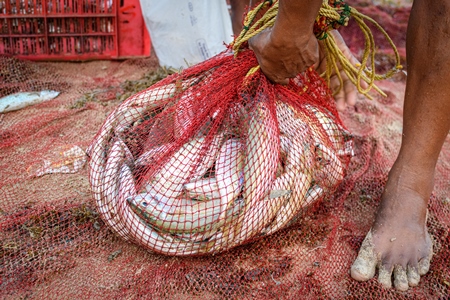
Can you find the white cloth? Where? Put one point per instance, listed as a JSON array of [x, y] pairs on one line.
[[186, 32]]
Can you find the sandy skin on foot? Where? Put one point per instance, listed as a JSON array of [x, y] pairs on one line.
[[404, 276]]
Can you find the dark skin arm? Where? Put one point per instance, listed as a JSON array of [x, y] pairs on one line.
[[290, 47], [238, 9]]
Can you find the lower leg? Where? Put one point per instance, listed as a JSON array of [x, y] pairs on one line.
[[399, 239]]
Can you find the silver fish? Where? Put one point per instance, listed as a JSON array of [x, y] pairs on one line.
[[262, 213], [209, 157], [23, 99], [171, 177], [336, 133], [116, 157], [185, 115], [329, 171], [149, 157], [177, 215], [300, 185], [140, 231], [314, 193], [260, 165], [229, 168], [203, 189]]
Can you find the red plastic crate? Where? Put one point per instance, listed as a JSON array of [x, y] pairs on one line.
[[72, 29]]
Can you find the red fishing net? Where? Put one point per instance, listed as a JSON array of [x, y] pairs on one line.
[[57, 241], [214, 157]]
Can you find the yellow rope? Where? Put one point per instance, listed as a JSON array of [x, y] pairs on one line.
[[250, 30], [334, 56]]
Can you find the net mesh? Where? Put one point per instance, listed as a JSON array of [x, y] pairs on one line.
[[211, 158], [55, 243]]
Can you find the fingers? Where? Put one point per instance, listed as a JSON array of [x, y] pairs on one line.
[[275, 74], [281, 59], [347, 95]]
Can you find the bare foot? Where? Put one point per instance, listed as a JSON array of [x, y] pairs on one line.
[[398, 243]]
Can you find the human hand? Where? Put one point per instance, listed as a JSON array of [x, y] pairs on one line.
[[282, 58], [347, 94]]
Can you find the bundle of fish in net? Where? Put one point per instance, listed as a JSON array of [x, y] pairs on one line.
[[201, 162], [217, 156]]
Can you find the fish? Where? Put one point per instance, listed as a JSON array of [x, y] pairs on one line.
[[295, 140], [137, 105], [337, 134], [177, 215], [318, 133], [208, 156], [206, 236], [261, 154], [261, 214], [23, 99], [140, 231], [287, 123], [151, 156], [127, 118], [206, 185], [329, 171], [171, 177], [97, 153], [229, 172], [116, 157], [260, 165], [185, 115], [257, 218], [300, 186], [314, 193], [203, 189]]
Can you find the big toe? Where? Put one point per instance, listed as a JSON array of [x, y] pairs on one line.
[[364, 266]]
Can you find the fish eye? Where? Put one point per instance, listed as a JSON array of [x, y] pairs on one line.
[[144, 203]]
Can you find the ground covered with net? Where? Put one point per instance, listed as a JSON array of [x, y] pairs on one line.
[[54, 245]]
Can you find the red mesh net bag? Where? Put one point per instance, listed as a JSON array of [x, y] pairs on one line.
[[216, 156]]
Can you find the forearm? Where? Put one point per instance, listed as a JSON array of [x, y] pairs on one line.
[[295, 19], [289, 47]]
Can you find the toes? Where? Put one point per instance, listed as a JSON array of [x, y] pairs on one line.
[[364, 266], [424, 265], [400, 278], [384, 276], [413, 276]]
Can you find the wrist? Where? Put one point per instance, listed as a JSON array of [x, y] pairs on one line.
[[295, 22]]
